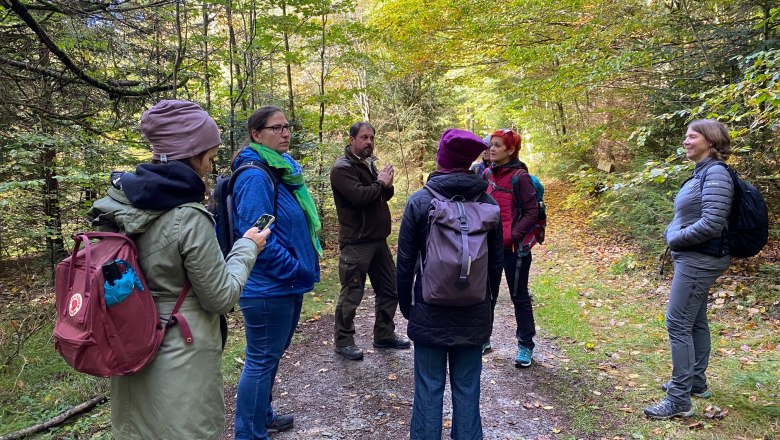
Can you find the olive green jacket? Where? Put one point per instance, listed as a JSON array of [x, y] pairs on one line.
[[179, 395]]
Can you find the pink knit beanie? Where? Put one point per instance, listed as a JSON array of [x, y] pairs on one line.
[[178, 130]]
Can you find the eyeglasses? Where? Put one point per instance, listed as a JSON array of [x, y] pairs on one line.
[[278, 129]]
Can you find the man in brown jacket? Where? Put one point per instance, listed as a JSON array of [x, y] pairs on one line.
[[361, 194]]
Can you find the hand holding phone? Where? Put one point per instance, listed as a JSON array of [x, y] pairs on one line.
[[264, 221]]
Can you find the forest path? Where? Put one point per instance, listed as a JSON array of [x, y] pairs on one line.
[[334, 398]]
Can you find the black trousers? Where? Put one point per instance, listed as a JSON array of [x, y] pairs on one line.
[[517, 270]]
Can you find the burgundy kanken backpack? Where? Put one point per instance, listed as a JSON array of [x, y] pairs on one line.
[[103, 340], [456, 262]]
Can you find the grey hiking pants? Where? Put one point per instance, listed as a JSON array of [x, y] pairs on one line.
[[689, 332]]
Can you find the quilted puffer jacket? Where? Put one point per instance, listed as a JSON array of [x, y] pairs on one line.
[[701, 211]]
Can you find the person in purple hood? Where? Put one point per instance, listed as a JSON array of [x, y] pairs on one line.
[[446, 336], [179, 395]]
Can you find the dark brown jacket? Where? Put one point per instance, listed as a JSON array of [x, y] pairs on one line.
[[361, 201]]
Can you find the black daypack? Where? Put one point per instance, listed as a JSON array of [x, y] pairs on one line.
[[221, 203], [747, 230]]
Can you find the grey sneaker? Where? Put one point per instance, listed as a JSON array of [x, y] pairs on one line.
[[666, 409], [351, 352], [695, 392]]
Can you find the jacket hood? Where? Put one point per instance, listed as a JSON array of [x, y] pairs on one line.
[[246, 155], [160, 187], [466, 184], [513, 164], [115, 213]]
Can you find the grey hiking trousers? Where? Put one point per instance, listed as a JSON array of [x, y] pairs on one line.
[[689, 332]]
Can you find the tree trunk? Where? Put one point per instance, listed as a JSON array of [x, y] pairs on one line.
[[231, 80], [51, 206], [206, 73], [286, 38], [321, 122]]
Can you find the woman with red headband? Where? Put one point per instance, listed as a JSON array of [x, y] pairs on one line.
[[510, 184]]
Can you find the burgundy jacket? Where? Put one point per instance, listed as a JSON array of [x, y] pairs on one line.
[[519, 207]]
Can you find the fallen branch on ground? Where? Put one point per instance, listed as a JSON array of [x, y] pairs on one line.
[[57, 420]]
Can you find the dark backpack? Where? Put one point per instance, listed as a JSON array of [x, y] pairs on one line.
[[100, 335], [454, 273], [747, 230], [221, 203], [537, 232]]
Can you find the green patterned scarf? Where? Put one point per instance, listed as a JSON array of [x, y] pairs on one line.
[[292, 177]]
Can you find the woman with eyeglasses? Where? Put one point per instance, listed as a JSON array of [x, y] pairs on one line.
[[284, 272]]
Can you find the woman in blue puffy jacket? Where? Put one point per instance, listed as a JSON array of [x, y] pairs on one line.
[[288, 268], [700, 253]]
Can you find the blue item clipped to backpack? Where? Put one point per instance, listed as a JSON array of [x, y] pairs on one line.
[[123, 286]]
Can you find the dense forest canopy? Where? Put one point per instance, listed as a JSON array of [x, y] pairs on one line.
[[584, 81]]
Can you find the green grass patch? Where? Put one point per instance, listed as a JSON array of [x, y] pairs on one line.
[[37, 385], [609, 323]]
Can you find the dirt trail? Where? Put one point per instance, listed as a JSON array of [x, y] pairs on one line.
[[333, 398]]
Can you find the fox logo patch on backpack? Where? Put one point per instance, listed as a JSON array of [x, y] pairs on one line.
[[456, 262], [108, 327]]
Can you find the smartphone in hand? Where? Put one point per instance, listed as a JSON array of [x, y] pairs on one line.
[[264, 221]]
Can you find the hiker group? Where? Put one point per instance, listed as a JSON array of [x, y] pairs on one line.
[[467, 225]]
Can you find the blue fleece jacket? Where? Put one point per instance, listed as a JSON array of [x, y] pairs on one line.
[[288, 265]]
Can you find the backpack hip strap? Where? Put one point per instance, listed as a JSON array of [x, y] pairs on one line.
[[177, 318]]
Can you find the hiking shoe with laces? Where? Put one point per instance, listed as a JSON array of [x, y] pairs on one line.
[[695, 392], [524, 356], [351, 352], [666, 409], [397, 342], [280, 423]]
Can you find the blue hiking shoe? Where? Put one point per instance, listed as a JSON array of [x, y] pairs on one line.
[[524, 356]]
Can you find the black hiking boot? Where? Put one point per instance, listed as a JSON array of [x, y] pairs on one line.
[[280, 423], [397, 342], [351, 352]]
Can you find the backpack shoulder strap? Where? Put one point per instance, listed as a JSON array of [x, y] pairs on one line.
[[516, 195], [256, 164]]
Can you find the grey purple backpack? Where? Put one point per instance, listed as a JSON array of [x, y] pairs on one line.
[[456, 263]]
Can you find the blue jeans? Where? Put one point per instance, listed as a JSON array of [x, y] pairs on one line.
[[270, 324], [430, 373], [521, 297]]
